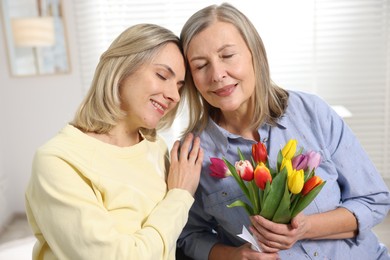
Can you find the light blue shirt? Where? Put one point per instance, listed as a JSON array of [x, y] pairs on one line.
[[352, 182]]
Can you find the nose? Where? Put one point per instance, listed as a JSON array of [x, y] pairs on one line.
[[172, 93], [218, 72]]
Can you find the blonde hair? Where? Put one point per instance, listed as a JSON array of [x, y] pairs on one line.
[[270, 100], [100, 110]]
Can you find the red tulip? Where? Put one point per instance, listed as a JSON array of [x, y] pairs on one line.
[[218, 168], [262, 175], [310, 184], [259, 152], [245, 169]]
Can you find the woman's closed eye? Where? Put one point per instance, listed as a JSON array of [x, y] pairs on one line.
[[227, 56], [161, 76], [200, 66]]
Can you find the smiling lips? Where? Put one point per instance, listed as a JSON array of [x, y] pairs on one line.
[[159, 107], [225, 91]]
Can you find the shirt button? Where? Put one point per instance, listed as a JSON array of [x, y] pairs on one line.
[[224, 194], [315, 253]]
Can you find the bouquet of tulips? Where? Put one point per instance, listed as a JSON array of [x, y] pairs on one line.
[[277, 194]]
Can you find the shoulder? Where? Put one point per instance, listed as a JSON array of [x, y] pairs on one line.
[[57, 141], [311, 110], [160, 143], [300, 98], [308, 103]]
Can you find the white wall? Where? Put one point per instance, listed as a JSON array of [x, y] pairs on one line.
[[32, 109], [3, 179]]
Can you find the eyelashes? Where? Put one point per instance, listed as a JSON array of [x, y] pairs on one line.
[[223, 57]]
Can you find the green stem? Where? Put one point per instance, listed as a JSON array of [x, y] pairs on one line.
[[254, 190]]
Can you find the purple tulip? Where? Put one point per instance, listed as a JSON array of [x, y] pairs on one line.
[[300, 162]]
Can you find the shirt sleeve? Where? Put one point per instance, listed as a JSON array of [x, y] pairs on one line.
[[198, 237], [363, 191], [58, 194]]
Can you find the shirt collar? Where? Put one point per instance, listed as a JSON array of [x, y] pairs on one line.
[[221, 137], [282, 122]]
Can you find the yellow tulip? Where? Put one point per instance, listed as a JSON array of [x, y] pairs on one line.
[[289, 149], [288, 164], [295, 181]]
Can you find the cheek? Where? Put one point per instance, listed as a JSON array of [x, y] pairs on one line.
[[200, 81]]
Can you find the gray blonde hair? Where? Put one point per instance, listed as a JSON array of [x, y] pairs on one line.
[[100, 110], [269, 99]]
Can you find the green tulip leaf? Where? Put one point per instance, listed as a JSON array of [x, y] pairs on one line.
[[279, 160], [240, 203], [304, 201], [254, 192], [283, 214], [309, 175], [240, 154], [274, 195]]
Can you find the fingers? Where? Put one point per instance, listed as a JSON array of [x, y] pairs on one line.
[[186, 164], [175, 151], [193, 154], [272, 236], [185, 146], [295, 221], [189, 150]]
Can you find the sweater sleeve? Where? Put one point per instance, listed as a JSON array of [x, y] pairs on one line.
[[71, 222]]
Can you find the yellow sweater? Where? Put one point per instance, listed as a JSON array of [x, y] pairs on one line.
[[87, 199]]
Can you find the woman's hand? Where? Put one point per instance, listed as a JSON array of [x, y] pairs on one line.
[[273, 237], [339, 223], [186, 164]]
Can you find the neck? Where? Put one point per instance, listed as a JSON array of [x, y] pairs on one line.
[[239, 125], [120, 136]]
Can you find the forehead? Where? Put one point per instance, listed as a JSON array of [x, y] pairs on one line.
[[168, 50], [214, 36], [171, 56]]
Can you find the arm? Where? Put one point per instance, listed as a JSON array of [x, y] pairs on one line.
[[335, 224]]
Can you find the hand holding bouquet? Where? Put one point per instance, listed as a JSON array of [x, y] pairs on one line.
[[277, 194]]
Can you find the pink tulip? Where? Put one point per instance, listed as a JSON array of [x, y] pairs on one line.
[[245, 169], [218, 168], [313, 160]]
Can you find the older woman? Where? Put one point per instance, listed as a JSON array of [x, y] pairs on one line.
[[234, 104]]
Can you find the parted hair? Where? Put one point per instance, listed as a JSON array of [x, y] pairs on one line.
[[100, 110], [270, 100]]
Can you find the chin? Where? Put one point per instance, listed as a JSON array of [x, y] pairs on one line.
[[150, 125]]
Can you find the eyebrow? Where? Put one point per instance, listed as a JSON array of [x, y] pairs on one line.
[[167, 67], [218, 50]]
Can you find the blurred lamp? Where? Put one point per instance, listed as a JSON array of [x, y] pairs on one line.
[[33, 32]]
